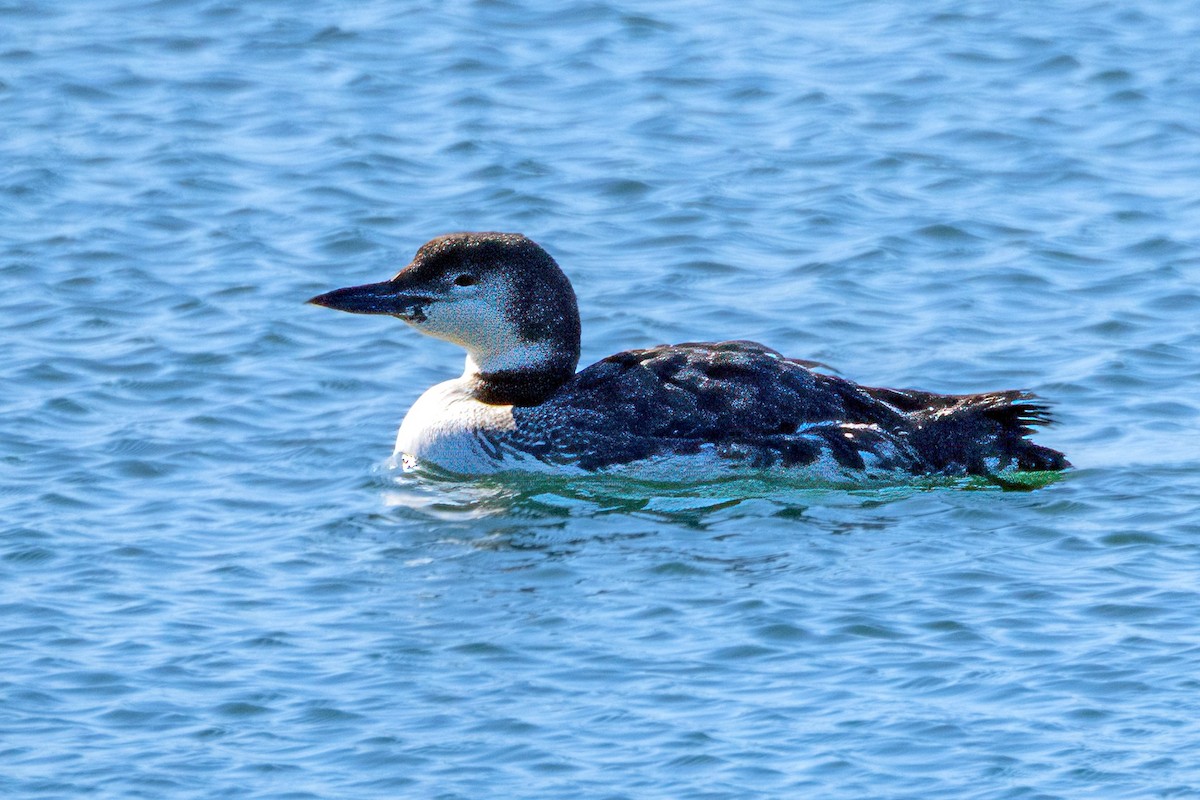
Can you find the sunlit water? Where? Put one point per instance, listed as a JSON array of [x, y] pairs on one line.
[[212, 585]]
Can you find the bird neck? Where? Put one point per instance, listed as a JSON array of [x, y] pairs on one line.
[[521, 376]]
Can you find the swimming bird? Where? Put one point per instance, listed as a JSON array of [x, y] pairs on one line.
[[682, 412]]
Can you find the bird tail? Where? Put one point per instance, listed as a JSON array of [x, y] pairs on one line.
[[983, 434]]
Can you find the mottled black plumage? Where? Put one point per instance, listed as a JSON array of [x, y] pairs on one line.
[[759, 408]]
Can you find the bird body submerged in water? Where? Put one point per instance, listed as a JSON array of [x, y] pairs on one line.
[[673, 412]]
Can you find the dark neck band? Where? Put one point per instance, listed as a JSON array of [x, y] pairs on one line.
[[518, 387]]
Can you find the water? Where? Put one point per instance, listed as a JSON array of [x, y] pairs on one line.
[[211, 585]]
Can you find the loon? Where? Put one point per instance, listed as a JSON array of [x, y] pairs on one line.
[[692, 411]]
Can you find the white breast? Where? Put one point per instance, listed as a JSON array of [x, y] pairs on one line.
[[444, 427]]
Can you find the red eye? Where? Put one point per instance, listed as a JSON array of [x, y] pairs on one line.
[[464, 280]]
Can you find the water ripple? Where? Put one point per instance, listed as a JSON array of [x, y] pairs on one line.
[[214, 585]]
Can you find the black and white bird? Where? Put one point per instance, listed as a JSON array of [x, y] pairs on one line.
[[694, 411]]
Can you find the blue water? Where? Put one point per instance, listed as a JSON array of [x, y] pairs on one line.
[[211, 584]]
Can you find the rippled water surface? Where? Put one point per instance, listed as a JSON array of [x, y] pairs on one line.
[[211, 585]]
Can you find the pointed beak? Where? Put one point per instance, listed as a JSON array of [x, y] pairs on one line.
[[376, 298]]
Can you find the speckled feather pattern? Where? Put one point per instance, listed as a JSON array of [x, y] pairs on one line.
[[759, 410]]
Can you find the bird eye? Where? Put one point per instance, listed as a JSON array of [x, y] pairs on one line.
[[464, 280]]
